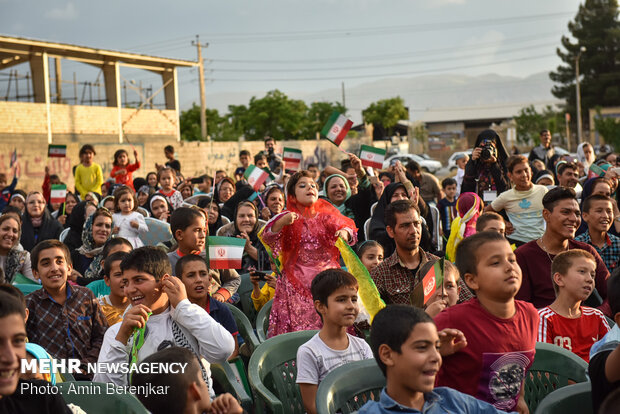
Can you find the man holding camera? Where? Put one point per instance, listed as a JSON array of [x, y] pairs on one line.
[[274, 161], [485, 172]]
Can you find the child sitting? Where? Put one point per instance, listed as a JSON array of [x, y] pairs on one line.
[[114, 304], [604, 368], [260, 296], [500, 331], [186, 392], [405, 344], [565, 322], [166, 178], [370, 253], [491, 221], [129, 223], [193, 272], [448, 294], [122, 171], [447, 206], [159, 304], [188, 226], [334, 292], [65, 319]]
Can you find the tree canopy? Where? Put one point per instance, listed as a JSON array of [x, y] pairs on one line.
[[386, 113]]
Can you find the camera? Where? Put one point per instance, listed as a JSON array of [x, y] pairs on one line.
[[488, 151]]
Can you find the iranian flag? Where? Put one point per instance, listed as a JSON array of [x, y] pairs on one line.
[[433, 279], [292, 158], [225, 252], [336, 128], [58, 193], [255, 176], [59, 151], [372, 157]]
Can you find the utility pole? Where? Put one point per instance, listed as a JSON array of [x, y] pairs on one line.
[[578, 93], [201, 80], [344, 102]]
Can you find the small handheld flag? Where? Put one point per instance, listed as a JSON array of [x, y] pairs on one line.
[[292, 157], [255, 176], [59, 151], [372, 157], [13, 158], [336, 128], [431, 281], [225, 252], [58, 193]]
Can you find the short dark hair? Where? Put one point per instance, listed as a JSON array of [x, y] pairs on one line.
[[556, 195], [114, 257], [311, 166], [413, 166], [543, 131], [485, 218], [587, 203], [163, 170], [515, 160], [259, 157], [327, 281], [182, 218], [398, 207], [123, 189], [175, 399], [244, 152], [448, 181], [113, 242], [564, 261], [613, 291], [361, 249], [392, 326], [183, 261], [268, 138], [466, 251], [15, 292], [565, 166], [148, 259], [169, 148], [292, 182], [87, 147], [48, 244], [11, 305]]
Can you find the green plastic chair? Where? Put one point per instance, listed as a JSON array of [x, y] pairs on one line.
[[224, 375], [245, 328], [245, 297], [20, 279], [576, 398], [347, 388], [93, 398], [553, 368], [27, 289], [99, 288], [273, 371], [262, 321]]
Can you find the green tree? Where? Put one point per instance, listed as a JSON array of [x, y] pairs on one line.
[[317, 116], [596, 28], [274, 115], [386, 112], [530, 122], [609, 128]]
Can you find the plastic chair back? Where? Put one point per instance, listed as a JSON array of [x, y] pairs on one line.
[[367, 229], [262, 321], [552, 369], [245, 327], [93, 398], [245, 297], [27, 288], [63, 234], [159, 232], [576, 398], [99, 288], [372, 208], [436, 230], [347, 388], [273, 371], [224, 375], [225, 220], [610, 322]]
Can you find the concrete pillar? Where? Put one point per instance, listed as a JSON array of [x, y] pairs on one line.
[[111, 77], [171, 94], [39, 66]]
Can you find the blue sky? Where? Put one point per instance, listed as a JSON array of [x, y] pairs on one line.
[[302, 47]]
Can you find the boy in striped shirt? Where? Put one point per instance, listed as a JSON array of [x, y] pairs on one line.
[[565, 322]]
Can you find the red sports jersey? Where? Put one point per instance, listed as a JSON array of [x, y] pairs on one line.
[[576, 334]]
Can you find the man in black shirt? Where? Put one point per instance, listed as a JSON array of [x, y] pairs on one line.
[[172, 163]]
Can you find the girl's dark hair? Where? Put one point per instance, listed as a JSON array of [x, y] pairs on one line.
[[87, 147], [117, 198], [182, 218], [113, 242], [153, 173], [292, 182], [163, 170], [118, 153], [361, 249]]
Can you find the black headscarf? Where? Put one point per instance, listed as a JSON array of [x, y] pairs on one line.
[[216, 196], [49, 229], [75, 222], [263, 258], [230, 207], [502, 155], [203, 203]]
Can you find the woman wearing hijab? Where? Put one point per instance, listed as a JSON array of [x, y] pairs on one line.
[[224, 190], [38, 224], [247, 225], [75, 223], [485, 172], [469, 207], [12, 259], [337, 191], [244, 192], [87, 259], [585, 155], [213, 212], [273, 198]]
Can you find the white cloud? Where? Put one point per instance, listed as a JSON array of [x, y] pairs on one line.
[[69, 12]]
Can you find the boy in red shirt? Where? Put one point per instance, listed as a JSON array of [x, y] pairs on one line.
[[500, 331], [565, 322]]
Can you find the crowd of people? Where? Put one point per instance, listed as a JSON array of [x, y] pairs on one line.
[[528, 247]]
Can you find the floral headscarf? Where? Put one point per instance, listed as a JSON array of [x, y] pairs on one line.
[[88, 248]]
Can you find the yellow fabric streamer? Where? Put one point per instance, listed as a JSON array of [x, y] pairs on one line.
[[368, 291]]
